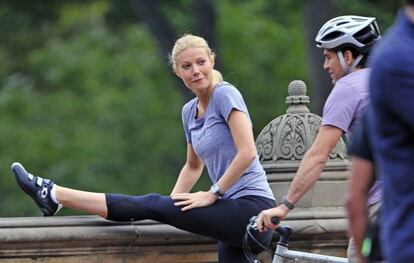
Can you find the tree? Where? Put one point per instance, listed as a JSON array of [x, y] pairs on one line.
[[316, 13], [150, 12]]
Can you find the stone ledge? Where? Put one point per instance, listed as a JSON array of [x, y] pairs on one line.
[[91, 236], [292, 166], [21, 237]]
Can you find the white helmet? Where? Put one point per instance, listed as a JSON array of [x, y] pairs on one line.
[[358, 32]]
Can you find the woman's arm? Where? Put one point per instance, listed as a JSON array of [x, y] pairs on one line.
[[190, 173], [242, 135]]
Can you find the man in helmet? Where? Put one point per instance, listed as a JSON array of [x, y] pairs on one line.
[[346, 41]]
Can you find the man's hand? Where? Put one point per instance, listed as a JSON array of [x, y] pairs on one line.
[[193, 200], [264, 219]]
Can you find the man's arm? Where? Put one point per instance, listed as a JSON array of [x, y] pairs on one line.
[[361, 180], [313, 162], [308, 173]]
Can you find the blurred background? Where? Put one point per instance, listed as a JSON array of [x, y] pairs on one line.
[[87, 97]]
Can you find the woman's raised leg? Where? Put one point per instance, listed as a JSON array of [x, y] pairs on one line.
[[92, 203], [41, 191]]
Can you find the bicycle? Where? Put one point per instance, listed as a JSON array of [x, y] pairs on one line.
[[282, 252]]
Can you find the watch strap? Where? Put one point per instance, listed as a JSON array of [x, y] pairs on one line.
[[286, 202]]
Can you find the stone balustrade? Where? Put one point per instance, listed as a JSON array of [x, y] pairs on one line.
[[92, 239], [318, 221]]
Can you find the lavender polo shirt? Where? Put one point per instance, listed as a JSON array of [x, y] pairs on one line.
[[345, 106], [347, 101], [213, 143]]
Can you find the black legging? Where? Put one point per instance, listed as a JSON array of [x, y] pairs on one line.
[[225, 220]]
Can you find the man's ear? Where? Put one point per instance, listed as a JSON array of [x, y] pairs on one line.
[[348, 57]]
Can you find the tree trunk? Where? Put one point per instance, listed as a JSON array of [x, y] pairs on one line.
[[205, 22], [165, 34], [160, 28], [317, 12]]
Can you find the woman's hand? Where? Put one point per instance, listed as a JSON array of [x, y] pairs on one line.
[[264, 219], [193, 200]]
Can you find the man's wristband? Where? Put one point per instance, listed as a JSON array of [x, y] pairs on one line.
[[286, 202]]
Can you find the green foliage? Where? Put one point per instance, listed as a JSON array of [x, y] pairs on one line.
[[384, 10], [95, 111], [86, 99], [261, 54]]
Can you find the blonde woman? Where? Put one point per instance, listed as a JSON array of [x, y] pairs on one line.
[[219, 136]]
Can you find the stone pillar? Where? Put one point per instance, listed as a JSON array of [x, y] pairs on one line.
[[319, 220]]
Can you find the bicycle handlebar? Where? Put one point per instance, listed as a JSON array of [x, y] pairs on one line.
[[285, 232], [275, 220], [253, 222]]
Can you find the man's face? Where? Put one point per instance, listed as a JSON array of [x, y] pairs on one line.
[[332, 65]]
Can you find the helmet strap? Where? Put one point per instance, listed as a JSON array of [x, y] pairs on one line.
[[345, 68], [357, 60], [341, 58]]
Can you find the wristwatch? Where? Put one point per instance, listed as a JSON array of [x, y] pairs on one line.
[[286, 202], [215, 189]]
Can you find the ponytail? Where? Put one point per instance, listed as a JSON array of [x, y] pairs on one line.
[[217, 77]]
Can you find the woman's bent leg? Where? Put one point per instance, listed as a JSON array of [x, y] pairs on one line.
[[225, 220]]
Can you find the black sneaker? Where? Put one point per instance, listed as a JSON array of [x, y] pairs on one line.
[[37, 188]]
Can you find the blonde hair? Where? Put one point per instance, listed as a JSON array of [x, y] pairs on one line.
[[191, 41]]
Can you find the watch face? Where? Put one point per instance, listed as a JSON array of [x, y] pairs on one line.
[[214, 188]]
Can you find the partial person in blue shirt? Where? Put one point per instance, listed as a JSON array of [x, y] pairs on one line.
[[392, 125], [363, 217], [219, 136]]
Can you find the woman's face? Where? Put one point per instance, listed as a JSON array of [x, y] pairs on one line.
[[195, 67]]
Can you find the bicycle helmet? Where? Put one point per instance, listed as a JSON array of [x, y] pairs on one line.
[[349, 31], [357, 32]]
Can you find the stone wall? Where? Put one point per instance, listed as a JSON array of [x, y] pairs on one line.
[[92, 239], [81, 239], [318, 221]]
